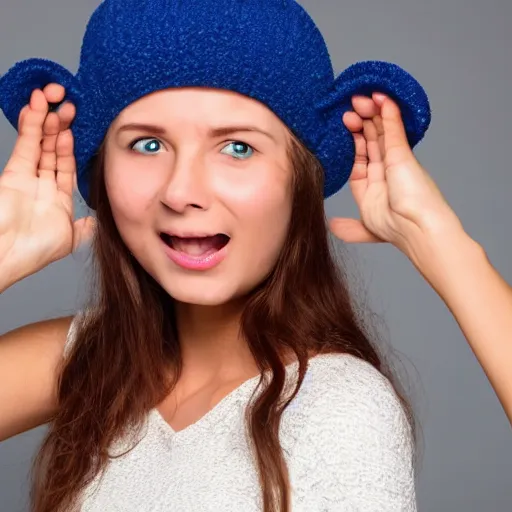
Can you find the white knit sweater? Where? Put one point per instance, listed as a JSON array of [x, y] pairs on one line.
[[345, 437]]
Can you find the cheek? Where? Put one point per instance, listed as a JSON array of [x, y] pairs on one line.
[[131, 190], [263, 209], [131, 195]]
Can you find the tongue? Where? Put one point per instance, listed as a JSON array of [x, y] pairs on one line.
[[198, 246]]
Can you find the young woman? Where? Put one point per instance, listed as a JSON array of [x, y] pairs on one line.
[[220, 364]]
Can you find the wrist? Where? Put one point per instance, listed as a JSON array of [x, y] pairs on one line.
[[8, 277], [6, 282], [444, 256]]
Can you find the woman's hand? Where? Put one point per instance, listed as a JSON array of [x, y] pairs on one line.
[[36, 189], [398, 201]]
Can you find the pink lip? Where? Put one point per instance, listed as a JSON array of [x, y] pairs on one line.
[[205, 262]]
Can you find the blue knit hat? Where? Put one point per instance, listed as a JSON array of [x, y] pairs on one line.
[[269, 50]]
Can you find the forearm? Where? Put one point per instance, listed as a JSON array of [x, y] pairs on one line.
[[479, 299]]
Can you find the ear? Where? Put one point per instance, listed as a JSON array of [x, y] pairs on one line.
[[17, 84]]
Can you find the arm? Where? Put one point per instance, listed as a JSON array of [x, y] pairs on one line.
[[37, 227], [29, 361], [400, 204], [479, 299]]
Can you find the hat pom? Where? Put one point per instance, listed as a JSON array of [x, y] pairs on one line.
[[17, 84], [363, 79]]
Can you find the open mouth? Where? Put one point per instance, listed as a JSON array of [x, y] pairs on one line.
[[196, 247]]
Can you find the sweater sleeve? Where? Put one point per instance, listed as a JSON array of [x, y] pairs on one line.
[[357, 441]]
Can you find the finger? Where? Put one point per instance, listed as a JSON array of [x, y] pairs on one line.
[[358, 181], [66, 113], [352, 231], [396, 145], [372, 141], [48, 161], [360, 169], [365, 107], [66, 165], [54, 93], [23, 113], [376, 168], [353, 121], [27, 149], [377, 121]]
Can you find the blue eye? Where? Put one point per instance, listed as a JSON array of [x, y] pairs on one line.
[[242, 150], [150, 145]]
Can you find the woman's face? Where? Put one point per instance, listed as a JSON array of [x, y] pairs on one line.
[[200, 165]]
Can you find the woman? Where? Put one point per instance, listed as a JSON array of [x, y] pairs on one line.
[[147, 412]]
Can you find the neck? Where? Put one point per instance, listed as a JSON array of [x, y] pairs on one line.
[[212, 347]]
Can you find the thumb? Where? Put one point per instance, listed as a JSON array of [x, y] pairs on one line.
[[352, 231], [83, 231]]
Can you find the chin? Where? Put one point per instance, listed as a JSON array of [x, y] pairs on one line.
[[201, 292], [201, 299]]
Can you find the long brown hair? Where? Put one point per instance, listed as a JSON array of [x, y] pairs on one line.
[[127, 359]]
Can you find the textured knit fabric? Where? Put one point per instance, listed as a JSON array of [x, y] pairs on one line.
[[270, 50], [346, 440]]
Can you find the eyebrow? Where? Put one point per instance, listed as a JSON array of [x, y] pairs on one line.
[[212, 132]]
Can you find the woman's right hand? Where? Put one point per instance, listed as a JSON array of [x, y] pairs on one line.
[[36, 190]]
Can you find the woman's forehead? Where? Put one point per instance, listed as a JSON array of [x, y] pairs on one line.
[[204, 98], [201, 106]]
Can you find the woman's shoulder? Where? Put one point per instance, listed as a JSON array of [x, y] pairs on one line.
[[351, 437], [344, 392], [347, 377]]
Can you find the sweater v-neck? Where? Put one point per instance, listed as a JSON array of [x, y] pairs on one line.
[[212, 415]]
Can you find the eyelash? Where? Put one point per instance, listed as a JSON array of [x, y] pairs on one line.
[[132, 144]]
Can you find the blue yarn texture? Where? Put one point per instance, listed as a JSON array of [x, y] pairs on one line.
[[269, 50]]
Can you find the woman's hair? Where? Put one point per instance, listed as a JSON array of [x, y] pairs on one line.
[[127, 359]]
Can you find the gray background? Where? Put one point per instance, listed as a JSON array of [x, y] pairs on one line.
[[460, 50]]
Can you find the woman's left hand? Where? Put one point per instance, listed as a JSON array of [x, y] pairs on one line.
[[398, 201]]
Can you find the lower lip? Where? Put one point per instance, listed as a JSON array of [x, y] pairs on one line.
[[195, 263]]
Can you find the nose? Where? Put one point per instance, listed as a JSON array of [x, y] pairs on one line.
[[187, 185]]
